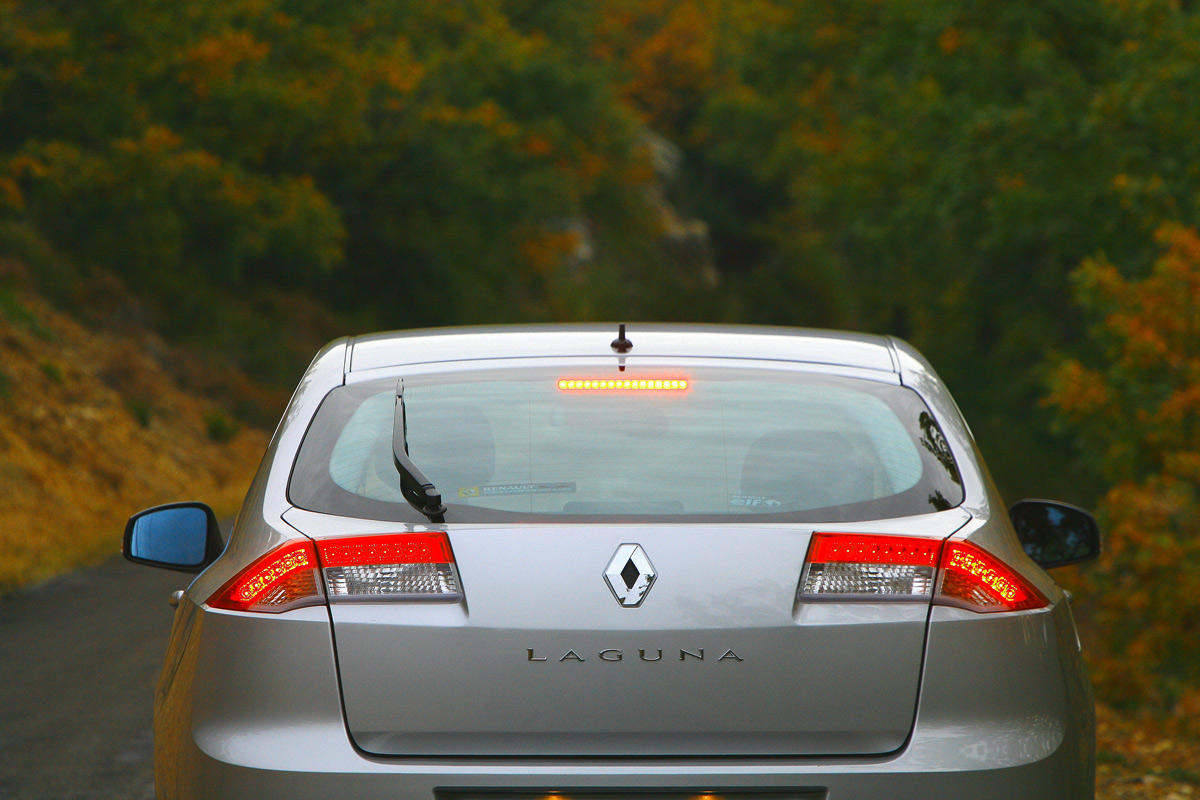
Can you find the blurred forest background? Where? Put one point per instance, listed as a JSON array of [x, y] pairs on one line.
[[213, 189]]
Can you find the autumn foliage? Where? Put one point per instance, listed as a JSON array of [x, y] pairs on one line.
[[415, 164], [1136, 410]]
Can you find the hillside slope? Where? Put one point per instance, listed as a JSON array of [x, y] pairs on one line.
[[94, 426]]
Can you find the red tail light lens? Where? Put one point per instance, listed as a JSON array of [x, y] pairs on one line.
[[415, 566], [974, 579], [856, 566], [283, 579], [414, 548]]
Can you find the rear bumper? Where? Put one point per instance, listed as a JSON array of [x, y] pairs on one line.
[[325, 766], [1007, 713]]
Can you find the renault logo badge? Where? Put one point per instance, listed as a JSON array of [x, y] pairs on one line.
[[630, 575]]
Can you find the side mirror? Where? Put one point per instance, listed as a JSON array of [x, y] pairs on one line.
[[179, 536], [1055, 534]]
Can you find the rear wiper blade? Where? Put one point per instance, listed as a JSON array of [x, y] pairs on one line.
[[418, 490]]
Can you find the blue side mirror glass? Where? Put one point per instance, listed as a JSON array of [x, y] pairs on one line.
[[177, 537]]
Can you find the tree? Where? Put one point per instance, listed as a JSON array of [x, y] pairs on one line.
[[1135, 410], [408, 163]]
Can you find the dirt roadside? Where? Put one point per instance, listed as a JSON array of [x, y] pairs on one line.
[[1136, 760]]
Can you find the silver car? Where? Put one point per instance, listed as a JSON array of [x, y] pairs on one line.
[[531, 563]]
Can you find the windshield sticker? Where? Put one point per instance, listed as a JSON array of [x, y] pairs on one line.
[[516, 488], [754, 500]]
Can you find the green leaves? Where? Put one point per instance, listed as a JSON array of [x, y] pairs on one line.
[[166, 216], [419, 163]]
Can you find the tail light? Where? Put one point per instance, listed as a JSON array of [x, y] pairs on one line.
[[975, 579], [283, 579], [855, 566], [416, 566]]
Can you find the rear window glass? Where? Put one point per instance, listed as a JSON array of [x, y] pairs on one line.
[[718, 445]]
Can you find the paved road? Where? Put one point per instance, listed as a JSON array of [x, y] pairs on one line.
[[79, 658]]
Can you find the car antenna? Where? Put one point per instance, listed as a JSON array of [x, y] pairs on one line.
[[621, 345], [418, 490]]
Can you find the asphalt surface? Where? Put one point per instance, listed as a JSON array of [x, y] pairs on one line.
[[79, 660]]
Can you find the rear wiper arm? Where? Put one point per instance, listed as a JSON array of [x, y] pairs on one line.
[[418, 490]]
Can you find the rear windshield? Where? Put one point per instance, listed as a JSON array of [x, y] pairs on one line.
[[711, 444]]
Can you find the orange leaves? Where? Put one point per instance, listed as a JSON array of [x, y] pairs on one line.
[[1181, 262], [68, 70], [1077, 391], [10, 194], [32, 40], [818, 130], [1144, 594], [488, 115], [547, 251], [1151, 330], [25, 164], [395, 67], [671, 62], [182, 204], [155, 140], [1138, 414], [586, 167], [1011, 183], [213, 60], [1155, 322], [537, 146], [950, 40], [402, 77], [1184, 465]]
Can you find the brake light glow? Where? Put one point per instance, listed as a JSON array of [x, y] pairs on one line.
[[416, 548], [973, 578], [871, 567], [874, 549], [283, 579], [623, 384]]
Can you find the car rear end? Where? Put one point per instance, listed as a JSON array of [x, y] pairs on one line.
[[629, 595]]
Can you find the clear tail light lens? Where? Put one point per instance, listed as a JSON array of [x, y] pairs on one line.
[[855, 566], [417, 566]]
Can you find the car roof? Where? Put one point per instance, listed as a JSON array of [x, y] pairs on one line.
[[433, 345]]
